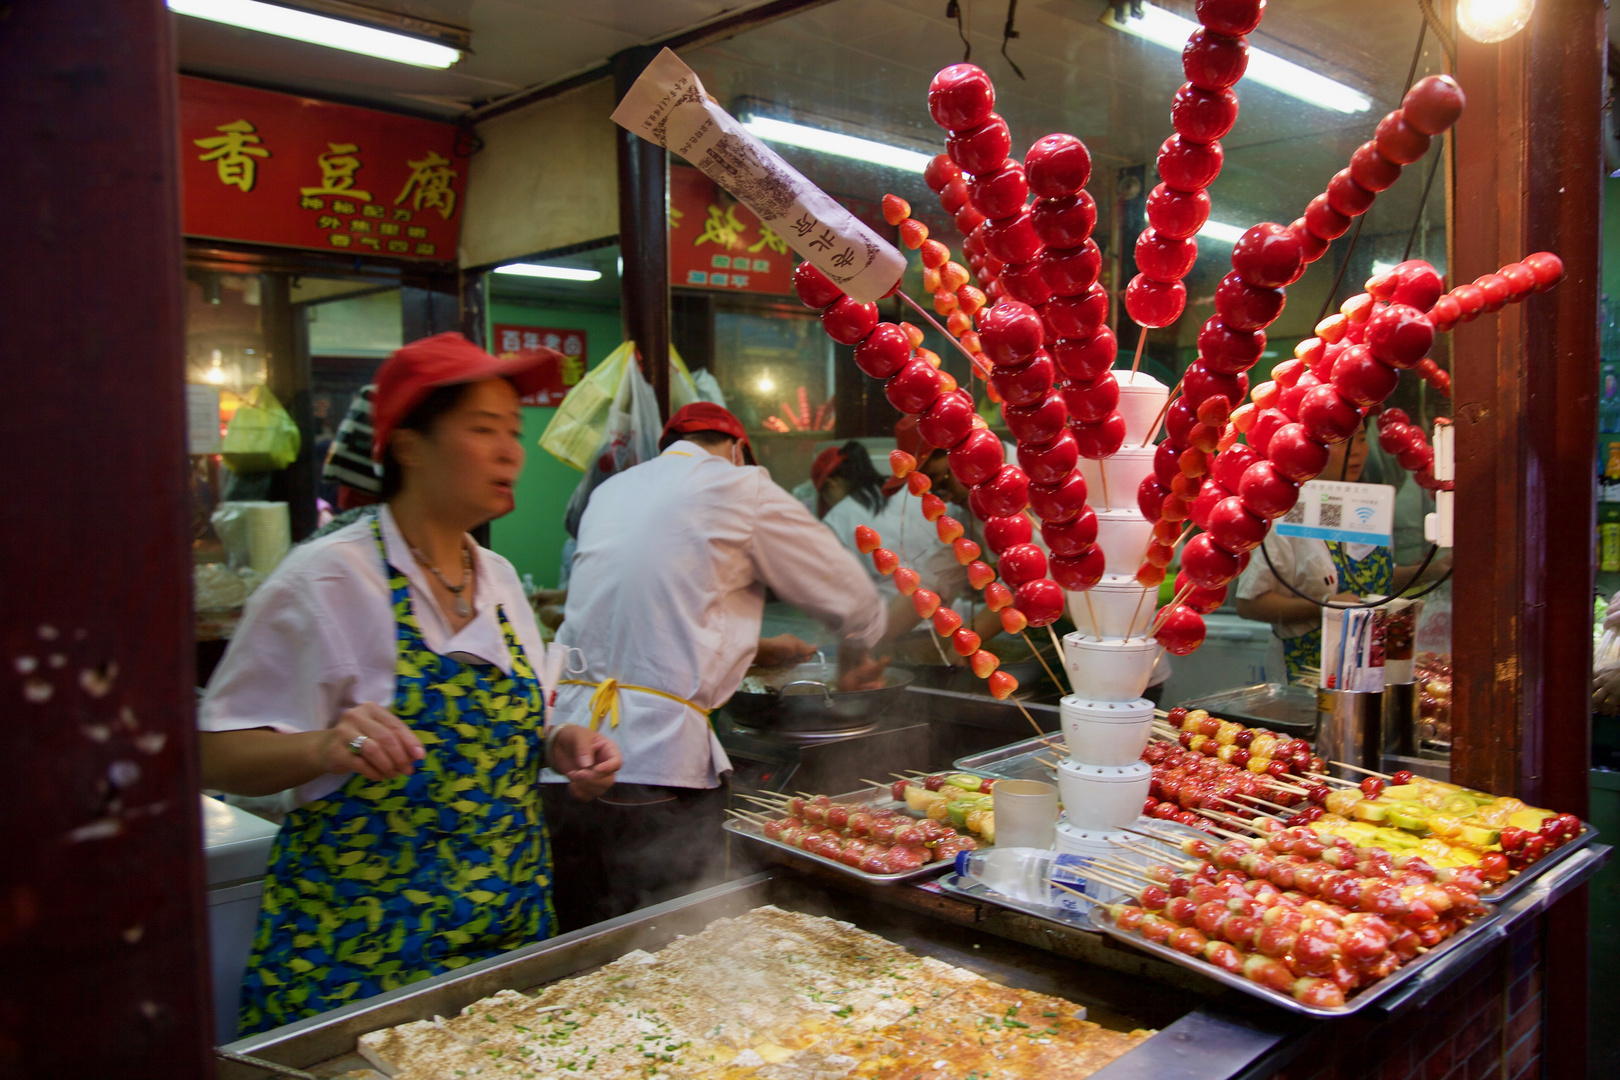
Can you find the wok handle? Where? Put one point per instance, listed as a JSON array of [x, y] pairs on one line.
[[825, 693]]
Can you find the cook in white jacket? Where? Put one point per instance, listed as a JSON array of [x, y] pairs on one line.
[[665, 602]]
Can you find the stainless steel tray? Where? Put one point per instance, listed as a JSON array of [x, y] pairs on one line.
[[1521, 881], [1016, 761], [875, 797], [1482, 933], [1289, 710]]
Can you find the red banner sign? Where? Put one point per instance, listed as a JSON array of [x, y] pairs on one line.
[[509, 338], [268, 168], [716, 242]]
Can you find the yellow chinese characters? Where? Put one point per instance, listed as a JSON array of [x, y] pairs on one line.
[[723, 229], [338, 166], [768, 239], [233, 152], [429, 185]]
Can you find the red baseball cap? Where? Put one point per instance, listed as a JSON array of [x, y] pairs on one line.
[[707, 416], [821, 468], [406, 377]]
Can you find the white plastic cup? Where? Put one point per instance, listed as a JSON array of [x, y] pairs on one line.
[[1109, 670], [1141, 401], [1123, 536], [1101, 797], [1119, 607], [1125, 471], [1106, 732], [1026, 813]]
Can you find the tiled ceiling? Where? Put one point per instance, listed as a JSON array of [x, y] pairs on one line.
[[515, 43]]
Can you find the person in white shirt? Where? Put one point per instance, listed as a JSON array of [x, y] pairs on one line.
[[665, 603], [385, 673]]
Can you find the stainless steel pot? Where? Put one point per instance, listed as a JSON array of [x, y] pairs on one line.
[[806, 700]]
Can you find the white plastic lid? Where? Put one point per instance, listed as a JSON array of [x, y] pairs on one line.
[[1135, 772], [1116, 712]]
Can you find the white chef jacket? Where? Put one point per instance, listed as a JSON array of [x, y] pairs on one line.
[[318, 637], [668, 592]]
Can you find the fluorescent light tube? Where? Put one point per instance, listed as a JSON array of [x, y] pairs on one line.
[[559, 273], [831, 142], [319, 30], [1267, 69], [1221, 232]]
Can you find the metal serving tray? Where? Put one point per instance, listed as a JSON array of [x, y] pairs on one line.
[[1287, 710], [1460, 949], [1019, 761], [1521, 881], [873, 797], [1016, 761]]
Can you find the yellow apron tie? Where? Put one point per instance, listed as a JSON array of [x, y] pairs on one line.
[[605, 702]]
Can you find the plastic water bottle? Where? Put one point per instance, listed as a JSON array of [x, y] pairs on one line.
[[1023, 873]]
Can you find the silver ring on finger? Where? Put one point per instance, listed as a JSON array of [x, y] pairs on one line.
[[357, 743]]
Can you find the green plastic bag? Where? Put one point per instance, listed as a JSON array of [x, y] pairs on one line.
[[261, 437], [575, 434]]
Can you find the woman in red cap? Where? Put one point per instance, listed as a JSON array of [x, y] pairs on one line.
[[384, 673], [665, 602]]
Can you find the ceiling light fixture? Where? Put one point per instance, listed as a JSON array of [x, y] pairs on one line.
[[1490, 21], [319, 30], [1221, 232], [1267, 69], [831, 142], [558, 273]]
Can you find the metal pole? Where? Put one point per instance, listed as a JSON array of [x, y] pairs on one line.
[[644, 237]]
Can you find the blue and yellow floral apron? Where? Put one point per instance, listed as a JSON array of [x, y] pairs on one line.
[[382, 884], [1374, 575]]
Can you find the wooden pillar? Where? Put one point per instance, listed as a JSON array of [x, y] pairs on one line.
[[1528, 177], [644, 235], [103, 926]]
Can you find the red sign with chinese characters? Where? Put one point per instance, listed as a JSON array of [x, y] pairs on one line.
[[716, 242], [268, 168], [509, 338]]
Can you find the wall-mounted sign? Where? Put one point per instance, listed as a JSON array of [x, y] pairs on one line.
[[715, 242], [1338, 510], [268, 168], [509, 338]]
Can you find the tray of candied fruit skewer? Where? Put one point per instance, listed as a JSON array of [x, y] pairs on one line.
[[882, 834], [1349, 926]]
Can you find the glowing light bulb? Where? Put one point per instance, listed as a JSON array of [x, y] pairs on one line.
[[766, 384], [1490, 21]]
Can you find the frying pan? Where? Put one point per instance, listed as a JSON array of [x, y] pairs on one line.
[[805, 699]]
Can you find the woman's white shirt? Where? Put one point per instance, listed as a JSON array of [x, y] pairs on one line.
[[1302, 562], [318, 637]]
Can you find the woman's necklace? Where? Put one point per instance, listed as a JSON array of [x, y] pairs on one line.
[[463, 609]]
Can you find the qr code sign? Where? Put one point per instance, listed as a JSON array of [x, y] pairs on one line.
[[1331, 515], [1296, 516]]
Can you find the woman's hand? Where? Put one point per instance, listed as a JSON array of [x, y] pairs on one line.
[[588, 758], [390, 748]]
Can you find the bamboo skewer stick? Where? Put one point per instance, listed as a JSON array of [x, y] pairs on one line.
[[1168, 401], [1170, 608], [1092, 612], [1048, 743], [1262, 802], [1333, 779], [1141, 340], [1057, 646], [1130, 627], [1162, 714], [1250, 810], [983, 371], [1048, 668], [1102, 471], [1077, 892], [1359, 769]]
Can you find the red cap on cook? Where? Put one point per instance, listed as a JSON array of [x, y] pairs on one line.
[[411, 373], [821, 468], [706, 416]]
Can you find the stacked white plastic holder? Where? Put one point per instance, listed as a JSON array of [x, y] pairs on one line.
[[1109, 657]]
